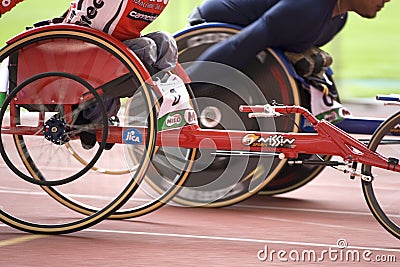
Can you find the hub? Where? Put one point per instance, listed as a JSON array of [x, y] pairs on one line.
[[210, 116], [56, 130]]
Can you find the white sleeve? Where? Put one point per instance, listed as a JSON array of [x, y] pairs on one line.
[[98, 14]]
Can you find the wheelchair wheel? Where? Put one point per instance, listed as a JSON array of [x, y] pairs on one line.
[[168, 170], [134, 113], [270, 75], [381, 193], [55, 73]]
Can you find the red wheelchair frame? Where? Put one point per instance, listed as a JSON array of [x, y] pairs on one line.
[[329, 140]]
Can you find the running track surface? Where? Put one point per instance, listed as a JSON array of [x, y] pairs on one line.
[[328, 211]]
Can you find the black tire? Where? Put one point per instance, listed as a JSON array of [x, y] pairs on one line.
[[290, 177], [381, 193], [269, 73], [104, 197], [150, 200]]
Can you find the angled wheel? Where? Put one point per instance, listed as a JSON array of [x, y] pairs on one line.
[[134, 113], [274, 84], [40, 116], [381, 193], [220, 183]]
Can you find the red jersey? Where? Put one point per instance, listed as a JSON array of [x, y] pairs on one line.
[[123, 19]]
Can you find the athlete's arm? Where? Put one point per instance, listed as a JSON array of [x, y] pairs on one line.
[[7, 5], [290, 25]]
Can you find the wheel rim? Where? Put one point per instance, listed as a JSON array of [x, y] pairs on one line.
[[381, 193], [16, 217]]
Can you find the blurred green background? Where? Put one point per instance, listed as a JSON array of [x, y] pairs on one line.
[[366, 60]]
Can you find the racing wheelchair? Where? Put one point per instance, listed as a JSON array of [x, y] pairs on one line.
[[57, 71]]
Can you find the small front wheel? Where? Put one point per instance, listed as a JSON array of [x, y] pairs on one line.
[[382, 193]]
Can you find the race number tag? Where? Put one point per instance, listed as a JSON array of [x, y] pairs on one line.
[[176, 110]]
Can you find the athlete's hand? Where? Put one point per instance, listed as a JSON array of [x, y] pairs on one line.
[[7, 5]]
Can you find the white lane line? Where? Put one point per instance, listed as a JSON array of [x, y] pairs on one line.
[[235, 239], [232, 239], [309, 210], [297, 222], [42, 193]]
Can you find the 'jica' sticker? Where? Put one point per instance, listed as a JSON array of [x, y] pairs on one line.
[[132, 136]]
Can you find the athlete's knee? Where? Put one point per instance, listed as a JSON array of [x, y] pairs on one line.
[[167, 50], [157, 49], [145, 48]]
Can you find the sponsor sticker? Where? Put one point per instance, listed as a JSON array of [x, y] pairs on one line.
[[208, 38], [177, 119], [132, 136], [137, 14], [190, 116], [254, 140], [173, 120]]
